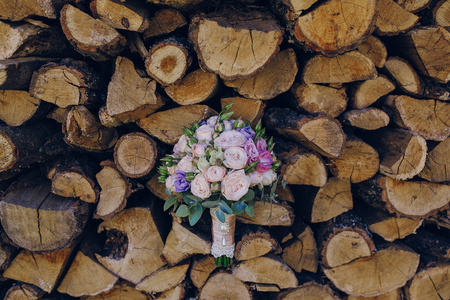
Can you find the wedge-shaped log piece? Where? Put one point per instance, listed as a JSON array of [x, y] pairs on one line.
[[370, 118], [122, 290], [290, 10], [163, 279], [129, 15], [19, 10], [89, 36], [275, 79], [248, 109], [175, 293], [167, 126], [329, 28], [348, 67], [322, 133], [253, 242], [202, 267], [309, 290], [269, 269], [437, 164], [404, 74], [135, 243], [344, 239], [226, 286], [441, 12], [270, 214], [429, 118], [315, 98], [48, 222], [430, 283], [18, 107], [369, 91], [414, 199], [195, 87], [413, 5], [375, 49], [183, 242], [42, 270], [384, 271], [157, 189], [164, 21], [393, 19], [86, 277], [131, 97], [24, 291], [235, 43]]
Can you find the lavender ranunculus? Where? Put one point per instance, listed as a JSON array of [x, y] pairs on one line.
[[247, 131], [265, 161], [251, 150], [181, 184], [261, 144]]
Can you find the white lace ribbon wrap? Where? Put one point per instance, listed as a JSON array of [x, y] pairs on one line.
[[223, 235]]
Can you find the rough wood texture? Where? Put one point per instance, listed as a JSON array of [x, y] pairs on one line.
[[225, 286], [183, 5], [19, 10], [441, 13], [248, 109], [370, 118], [437, 163], [393, 19], [120, 291], [253, 242], [369, 91], [19, 107], [396, 294], [164, 279], [375, 49], [281, 214], [329, 29], [430, 283], [201, 269], [175, 293], [235, 43], [404, 74], [164, 21], [429, 243], [309, 291], [24, 291], [276, 78]]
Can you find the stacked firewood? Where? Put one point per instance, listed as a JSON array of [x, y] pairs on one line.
[[355, 94]]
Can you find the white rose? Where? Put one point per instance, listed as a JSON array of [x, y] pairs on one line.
[[235, 185], [186, 164], [215, 173], [230, 138], [200, 187], [181, 145], [228, 125], [172, 169], [212, 121], [269, 177], [202, 164], [199, 149], [170, 183], [235, 158], [255, 178], [204, 133]]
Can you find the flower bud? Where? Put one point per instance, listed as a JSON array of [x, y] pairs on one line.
[[188, 132], [215, 135], [276, 164], [215, 187], [239, 123], [219, 127]]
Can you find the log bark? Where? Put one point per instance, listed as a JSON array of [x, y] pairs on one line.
[[369, 91], [270, 214], [164, 21], [17, 11], [252, 242], [375, 49], [226, 286], [24, 291], [430, 282], [370, 118], [183, 5], [393, 19], [248, 109], [164, 279], [436, 163], [201, 269], [429, 243], [235, 44]]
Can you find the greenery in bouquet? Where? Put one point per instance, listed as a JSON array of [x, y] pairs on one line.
[[220, 163]]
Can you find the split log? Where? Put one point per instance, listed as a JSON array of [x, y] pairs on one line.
[[235, 44], [197, 86], [120, 291], [324, 203], [157, 189], [393, 295], [344, 239], [441, 12], [369, 91], [17, 11], [41, 270], [402, 152], [129, 15], [315, 98], [24, 291], [20, 40], [270, 214], [248, 109], [86, 277], [7, 254], [276, 78], [106, 119], [384, 271], [252, 242], [430, 283], [49, 222], [284, 193], [164, 21], [168, 61], [429, 118], [167, 126], [429, 243], [135, 154], [404, 74], [309, 290], [164, 279], [16, 73], [131, 97], [375, 49], [321, 133], [184, 5], [414, 5], [348, 67], [70, 82], [175, 293], [135, 240], [358, 161], [436, 163], [89, 36], [74, 178], [201, 269], [393, 19], [183, 242], [328, 28], [115, 189], [370, 118], [19, 107], [82, 129], [413, 199], [58, 114], [226, 286]]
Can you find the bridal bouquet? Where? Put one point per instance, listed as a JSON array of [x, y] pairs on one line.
[[224, 165]]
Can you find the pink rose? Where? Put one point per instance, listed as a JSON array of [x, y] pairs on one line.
[[261, 144], [265, 161], [199, 149], [230, 138], [181, 145], [251, 150], [186, 165], [200, 187], [235, 185], [215, 173], [255, 178], [170, 183], [235, 158], [204, 133]]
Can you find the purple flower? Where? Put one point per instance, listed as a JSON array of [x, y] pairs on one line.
[[265, 161], [247, 131], [261, 144], [181, 184], [252, 152]]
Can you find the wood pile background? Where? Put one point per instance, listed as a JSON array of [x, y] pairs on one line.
[[354, 92]]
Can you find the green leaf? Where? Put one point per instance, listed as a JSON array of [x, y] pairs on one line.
[[249, 196], [220, 215], [238, 207], [182, 211], [170, 202], [226, 116], [195, 213], [225, 208], [211, 204], [274, 186], [192, 197], [250, 210], [186, 199], [168, 192], [227, 107]]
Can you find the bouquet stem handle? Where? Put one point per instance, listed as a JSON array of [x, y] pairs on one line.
[[223, 239]]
